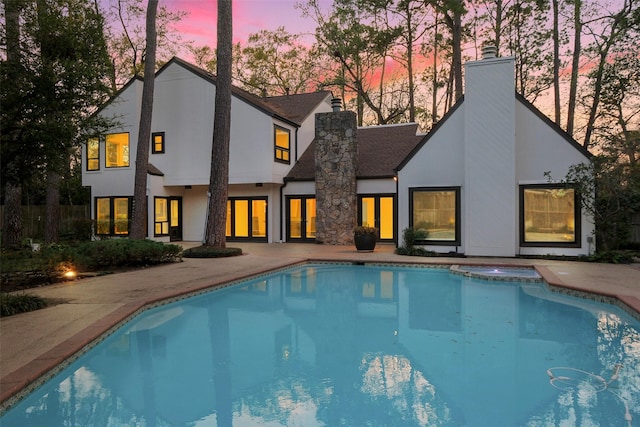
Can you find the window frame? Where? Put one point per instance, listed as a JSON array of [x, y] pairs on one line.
[[278, 149], [106, 154], [458, 215], [112, 221], [153, 143], [97, 158], [231, 219], [577, 219], [167, 221]]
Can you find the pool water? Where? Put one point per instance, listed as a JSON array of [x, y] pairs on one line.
[[341, 345]]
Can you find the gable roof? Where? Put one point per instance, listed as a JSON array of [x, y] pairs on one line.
[[520, 99], [288, 111], [297, 107], [380, 150]]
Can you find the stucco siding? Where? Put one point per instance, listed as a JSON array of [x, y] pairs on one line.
[[439, 163], [539, 149], [105, 181], [183, 109], [490, 192], [376, 186]]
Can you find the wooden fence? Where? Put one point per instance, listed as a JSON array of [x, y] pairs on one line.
[[635, 228], [33, 219]]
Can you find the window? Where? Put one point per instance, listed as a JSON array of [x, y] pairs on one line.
[[113, 215], [282, 144], [157, 142], [549, 215], [436, 212], [93, 154], [117, 150], [161, 215], [247, 218]]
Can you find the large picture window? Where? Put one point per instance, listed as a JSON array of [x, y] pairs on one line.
[[93, 154], [436, 213], [549, 215], [282, 144], [113, 215], [117, 150]]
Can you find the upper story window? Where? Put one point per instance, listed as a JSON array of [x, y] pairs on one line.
[[157, 142], [117, 150], [93, 154], [549, 215], [282, 144]]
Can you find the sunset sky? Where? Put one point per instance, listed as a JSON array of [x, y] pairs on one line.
[[249, 16]]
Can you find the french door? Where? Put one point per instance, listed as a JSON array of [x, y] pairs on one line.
[[301, 218], [378, 211], [247, 218]]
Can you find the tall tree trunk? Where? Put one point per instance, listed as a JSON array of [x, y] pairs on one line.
[[410, 36], [456, 32], [12, 224], [140, 210], [498, 27], [619, 27], [575, 66], [52, 220], [556, 62], [53, 162], [434, 83], [215, 232]]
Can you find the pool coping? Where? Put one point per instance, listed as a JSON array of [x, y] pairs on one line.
[[21, 382]]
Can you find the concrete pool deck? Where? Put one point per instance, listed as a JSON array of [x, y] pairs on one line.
[[33, 344]]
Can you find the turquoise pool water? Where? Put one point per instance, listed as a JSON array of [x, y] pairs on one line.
[[341, 345]]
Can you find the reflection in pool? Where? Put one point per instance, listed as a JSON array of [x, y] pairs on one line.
[[329, 345]]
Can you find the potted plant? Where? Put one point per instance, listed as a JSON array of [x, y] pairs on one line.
[[365, 238]]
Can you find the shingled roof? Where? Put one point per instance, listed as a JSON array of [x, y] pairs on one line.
[[380, 150], [297, 107], [289, 108]]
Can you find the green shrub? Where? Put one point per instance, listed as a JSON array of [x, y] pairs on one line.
[[209, 252], [411, 235], [415, 251], [612, 257], [112, 253], [11, 304]]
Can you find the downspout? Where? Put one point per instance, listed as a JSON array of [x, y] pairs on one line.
[[206, 219], [396, 208], [296, 144], [282, 205]]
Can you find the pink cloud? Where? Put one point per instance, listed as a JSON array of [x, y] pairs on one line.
[[249, 16]]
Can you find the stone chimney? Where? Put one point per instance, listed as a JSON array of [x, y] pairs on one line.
[[335, 160]]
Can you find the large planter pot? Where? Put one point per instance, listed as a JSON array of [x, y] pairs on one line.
[[365, 242]]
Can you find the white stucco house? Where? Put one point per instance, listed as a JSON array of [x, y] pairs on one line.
[[475, 184], [268, 135]]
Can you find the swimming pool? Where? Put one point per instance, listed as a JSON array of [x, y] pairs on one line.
[[332, 345]]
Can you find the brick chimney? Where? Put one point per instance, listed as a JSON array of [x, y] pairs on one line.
[[335, 178]]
